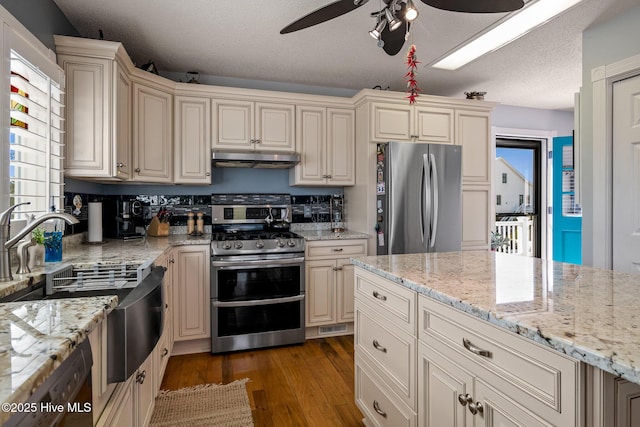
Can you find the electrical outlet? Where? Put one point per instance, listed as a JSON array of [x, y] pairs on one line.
[[307, 211]]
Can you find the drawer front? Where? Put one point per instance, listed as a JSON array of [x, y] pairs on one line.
[[388, 300], [336, 249], [377, 403], [542, 376], [392, 353]]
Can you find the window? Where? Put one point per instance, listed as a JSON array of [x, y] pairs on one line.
[[520, 199], [35, 138], [498, 199], [504, 178]]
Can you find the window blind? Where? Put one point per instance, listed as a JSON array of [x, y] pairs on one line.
[[36, 139]]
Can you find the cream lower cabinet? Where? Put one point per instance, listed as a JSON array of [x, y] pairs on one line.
[[329, 285], [191, 292], [247, 126], [453, 369], [385, 351], [325, 139], [471, 373], [163, 349]]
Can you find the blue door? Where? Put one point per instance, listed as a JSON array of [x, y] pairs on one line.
[[567, 215]]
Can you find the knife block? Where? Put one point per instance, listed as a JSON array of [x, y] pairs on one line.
[[157, 228]]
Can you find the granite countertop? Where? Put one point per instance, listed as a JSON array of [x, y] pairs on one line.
[[323, 234], [112, 251], [37, 336], [587, 313]]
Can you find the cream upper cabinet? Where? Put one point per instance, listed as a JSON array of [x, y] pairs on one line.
[[397, 122], [192, 142], [474, 135], [152, 134], [98, 104], [325, 139], [249, 126]]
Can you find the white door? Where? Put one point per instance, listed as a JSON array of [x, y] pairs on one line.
[[626, 175]]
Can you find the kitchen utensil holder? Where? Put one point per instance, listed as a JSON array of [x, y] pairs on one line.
[[157, 228]]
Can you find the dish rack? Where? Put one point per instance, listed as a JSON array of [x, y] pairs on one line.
[[66, 277]]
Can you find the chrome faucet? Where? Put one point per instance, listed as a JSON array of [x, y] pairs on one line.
[[6, 243]]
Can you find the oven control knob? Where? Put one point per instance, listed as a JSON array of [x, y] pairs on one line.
[[259, 244], [238, 245], [226, 245], [291, 243], [280, 243]]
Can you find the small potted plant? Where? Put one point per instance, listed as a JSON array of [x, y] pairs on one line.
[[498, 241], [36, 253]]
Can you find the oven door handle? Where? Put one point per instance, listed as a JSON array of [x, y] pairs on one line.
[[258, 302], [234, 265]]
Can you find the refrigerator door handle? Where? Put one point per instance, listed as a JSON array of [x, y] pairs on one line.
[[434, 206], [425, 206]]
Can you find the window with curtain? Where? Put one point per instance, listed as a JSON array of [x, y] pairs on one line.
[[36, 139]]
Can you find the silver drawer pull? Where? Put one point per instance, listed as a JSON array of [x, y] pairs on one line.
[[337, 249], [464, 399], [475, 350], [377, 346], [379, 296], [376, 407], [476, 408]]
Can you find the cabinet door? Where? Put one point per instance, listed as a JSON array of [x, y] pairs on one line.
[[391, 122], [434, 124], [88, 92], [274, 127], [345, 291], [441, 386], [474, 135], [121, 410], [311, 141], [341, 147], [233, 125], [499, 410], [152, 135], [192, 140], [477, 217], [145, 391], [191, 293], [320, 292], [122, 126]]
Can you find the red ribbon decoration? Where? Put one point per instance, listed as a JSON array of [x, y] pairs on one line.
[[412, 83]]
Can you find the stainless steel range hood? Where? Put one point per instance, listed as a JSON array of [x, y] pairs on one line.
[[257, 159]]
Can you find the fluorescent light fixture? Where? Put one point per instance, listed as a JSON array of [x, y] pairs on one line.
[[532, 15]]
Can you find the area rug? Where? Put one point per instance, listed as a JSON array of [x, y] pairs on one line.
[[204, 405]]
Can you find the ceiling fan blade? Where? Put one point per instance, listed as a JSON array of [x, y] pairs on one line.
[[330, 11], [476, 6], [394, 40]]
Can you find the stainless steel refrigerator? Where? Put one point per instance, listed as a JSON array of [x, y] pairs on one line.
[[419, 198]]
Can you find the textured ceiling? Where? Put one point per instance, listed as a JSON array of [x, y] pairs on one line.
[[241, 39]]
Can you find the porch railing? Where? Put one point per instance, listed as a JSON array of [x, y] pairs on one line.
[[518, 235]]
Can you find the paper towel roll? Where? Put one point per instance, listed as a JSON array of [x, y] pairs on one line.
[[95, 222]]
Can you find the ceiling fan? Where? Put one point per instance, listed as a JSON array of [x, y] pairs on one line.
[[393, 21]]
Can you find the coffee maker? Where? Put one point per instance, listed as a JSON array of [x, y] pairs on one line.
[[121, 216]]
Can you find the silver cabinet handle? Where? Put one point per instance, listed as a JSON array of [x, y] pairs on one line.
[[378, 347], [120, 165], [337, 249], [165, 351], [476, 408], [376, 407], [337, 268], [207, 174], [141, 376], [464, 398], [137, 170], [258, 141], [475, 350], [379, 296]]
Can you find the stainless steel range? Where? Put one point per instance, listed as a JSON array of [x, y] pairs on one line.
[[257, 273]]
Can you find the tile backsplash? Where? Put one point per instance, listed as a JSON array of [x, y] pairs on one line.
[[305, 208]]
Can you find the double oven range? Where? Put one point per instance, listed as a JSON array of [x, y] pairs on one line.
[[257, 273]]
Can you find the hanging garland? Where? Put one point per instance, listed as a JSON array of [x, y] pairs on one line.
[[412, 83]]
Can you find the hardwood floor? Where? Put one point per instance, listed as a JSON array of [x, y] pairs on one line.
[[302, 385]]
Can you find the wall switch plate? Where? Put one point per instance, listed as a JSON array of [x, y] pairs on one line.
[[307, 211]]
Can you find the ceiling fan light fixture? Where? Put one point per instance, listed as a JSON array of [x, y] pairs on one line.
[[532, 15], [377, 30], [410, 11], [394, 22]]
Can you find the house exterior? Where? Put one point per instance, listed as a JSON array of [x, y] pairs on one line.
[[514, 193]]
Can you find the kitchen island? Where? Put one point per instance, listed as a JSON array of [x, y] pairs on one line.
[[577, 313]]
